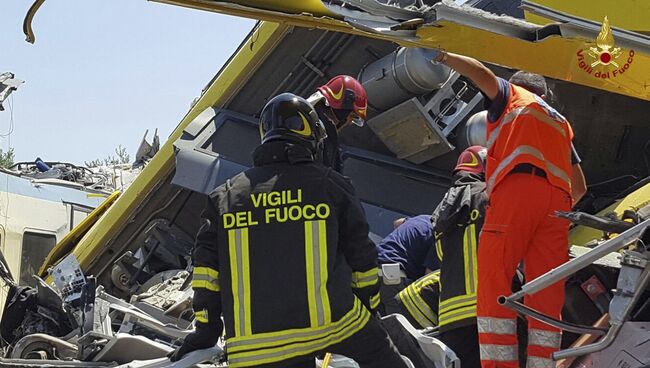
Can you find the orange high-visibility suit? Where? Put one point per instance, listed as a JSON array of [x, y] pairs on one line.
[[529, 178]]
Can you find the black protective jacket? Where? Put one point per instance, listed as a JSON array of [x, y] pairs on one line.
[[457, 222], [331, 156], [284, 254]]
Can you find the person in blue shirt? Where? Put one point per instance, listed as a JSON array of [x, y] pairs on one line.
[[405, 255]]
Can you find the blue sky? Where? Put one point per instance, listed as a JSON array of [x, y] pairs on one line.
[[103, 71]]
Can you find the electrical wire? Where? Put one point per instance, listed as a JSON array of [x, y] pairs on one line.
[[11, 121], [613, 180]]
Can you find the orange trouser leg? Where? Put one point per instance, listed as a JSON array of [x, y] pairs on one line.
[[548, 249], [517, 208]]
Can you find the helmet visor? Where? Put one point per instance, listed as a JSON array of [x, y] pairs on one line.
[[356, 119]]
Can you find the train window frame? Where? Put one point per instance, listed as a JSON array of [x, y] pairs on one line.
[[27, 279], [77, 208]]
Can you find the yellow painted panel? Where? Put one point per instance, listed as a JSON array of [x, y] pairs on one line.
[[227, 83], [566, 59], [314, 7], [636, 200], [627, 14], [554, 57]]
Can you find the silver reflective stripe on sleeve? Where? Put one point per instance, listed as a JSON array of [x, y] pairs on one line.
[[499, 353], [526, 150], [497, 326], [537, 362], [548, 339]]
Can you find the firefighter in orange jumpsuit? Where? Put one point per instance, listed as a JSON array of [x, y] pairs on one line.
[[532, 171]]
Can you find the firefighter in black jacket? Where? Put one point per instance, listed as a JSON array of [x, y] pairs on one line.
[[450, 294], [284, 254], [339, 103]]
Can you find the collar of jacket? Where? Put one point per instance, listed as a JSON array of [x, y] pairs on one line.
[[280, 151]]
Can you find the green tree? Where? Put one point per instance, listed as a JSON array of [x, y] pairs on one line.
[[6, 158], [122, 158]]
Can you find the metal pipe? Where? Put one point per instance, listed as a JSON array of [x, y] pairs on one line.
[[561, 272], [616, 322], [591, 348], [566, 326]]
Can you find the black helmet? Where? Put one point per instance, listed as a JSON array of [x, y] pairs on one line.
[[291, 118]]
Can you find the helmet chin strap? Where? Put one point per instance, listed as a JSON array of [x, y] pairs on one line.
[[341, 117]]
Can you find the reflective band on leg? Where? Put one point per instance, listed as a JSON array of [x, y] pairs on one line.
[[538, 362], [547, 339], [498, 326], [239, 265], [499, 353]]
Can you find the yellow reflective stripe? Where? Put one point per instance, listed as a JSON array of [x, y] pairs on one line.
[[201, 316], [205, 278], [211, 272], [240, 275], [422, 306], [474, 257], [325, 300], [263, 353], [457, 315], [466, 262], [429, 279], [247, 282], [204, 284], [469, 258], [413, 310], [277, 338], [457, 302], [439, 249], [374, 301], [316, 263], [364, 279], [311, 283], [265, 356]]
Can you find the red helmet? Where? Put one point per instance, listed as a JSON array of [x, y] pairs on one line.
[[346, 93], [472, 160]]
